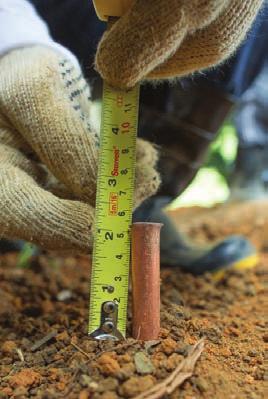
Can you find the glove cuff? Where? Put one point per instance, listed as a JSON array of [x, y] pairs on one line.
[[20, 26]]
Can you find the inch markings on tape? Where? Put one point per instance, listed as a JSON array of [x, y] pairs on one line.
[[114, 206]]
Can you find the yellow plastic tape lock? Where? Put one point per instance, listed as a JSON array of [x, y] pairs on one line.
[[111, 8]]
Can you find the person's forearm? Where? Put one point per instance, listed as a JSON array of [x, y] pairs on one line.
[[21, 26]]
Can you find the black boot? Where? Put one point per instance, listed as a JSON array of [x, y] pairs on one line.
[[177, 250], [249, 180], [10, 246]]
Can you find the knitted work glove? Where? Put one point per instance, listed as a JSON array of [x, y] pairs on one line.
[[49, 153], [160, 39]]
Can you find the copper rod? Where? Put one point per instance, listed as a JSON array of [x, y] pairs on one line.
[[145, 258]]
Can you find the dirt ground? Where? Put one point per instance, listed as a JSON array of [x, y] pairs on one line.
[[49, 302]]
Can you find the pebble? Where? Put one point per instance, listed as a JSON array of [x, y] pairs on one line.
[[135, 386], [64, 295], [126, 372], [107, 364], [234, 332], [108, 384], [6, 361], [175, 297], [201, 384], [85, 380], [184, 350], [265, 337], [20, 392], [168, 346], [25, 378], [143, 363], [8, 347], [252, 353]]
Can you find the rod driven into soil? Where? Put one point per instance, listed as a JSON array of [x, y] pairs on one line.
[[146, 280]]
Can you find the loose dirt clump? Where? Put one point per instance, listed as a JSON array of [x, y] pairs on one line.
[[45, 351]]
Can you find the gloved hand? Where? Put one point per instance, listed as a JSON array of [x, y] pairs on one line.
[[49, 152], [159, 39]]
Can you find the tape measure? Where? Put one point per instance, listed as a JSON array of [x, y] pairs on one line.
[[114, 206]]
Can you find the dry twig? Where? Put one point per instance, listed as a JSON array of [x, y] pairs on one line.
[[44, 340], [177, 377], [81, 350], [20, 354]]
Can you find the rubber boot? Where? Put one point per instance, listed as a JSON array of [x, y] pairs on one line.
[[177, 250], [249, 180], [10, 246]]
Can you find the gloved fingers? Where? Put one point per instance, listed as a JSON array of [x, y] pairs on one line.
[[12, 157], [212, 45], [147, 178], [141, 40], [11, 137], [33, 214], [148, 35], [46, 98]]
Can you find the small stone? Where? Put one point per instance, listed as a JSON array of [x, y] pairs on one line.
[[143, 363], [136, 385], [168, 346], [175, 297], [249, 379], [201, 384], [107, 364], [123, 359], [234, 332], [214, 334], [108, 384], [20, 392], [250, 291], [8, 346], [64, 295], [93, 386], [253, 395], [6, 361], [126, 372], [265, 337], [184, 350], [63, 336], [163, 333], [85, 380], [25, 378], [173, 361], [252, 353], [151, 344]]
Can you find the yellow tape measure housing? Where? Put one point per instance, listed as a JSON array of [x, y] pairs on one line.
[[114, 206], [111, 8]]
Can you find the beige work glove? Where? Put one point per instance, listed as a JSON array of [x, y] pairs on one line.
[[158, 39], [49, 152]]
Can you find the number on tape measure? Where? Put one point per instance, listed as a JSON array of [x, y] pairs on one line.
[[114, 204]]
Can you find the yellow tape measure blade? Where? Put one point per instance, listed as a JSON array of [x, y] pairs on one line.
[[114, 205]]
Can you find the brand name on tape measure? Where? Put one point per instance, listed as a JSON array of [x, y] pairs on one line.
[[114, 205]]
